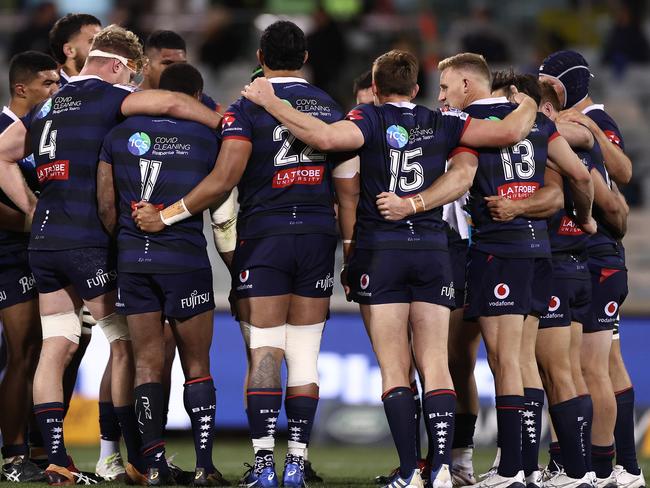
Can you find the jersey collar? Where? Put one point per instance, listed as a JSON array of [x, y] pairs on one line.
[[489, 101], [7, 111], [408, 105], [287, 79], [72, 79], [595, 106], [64, 75]]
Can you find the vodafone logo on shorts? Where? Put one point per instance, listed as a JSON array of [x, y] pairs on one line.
[[243, 276], [611, 308], [501, 291], [553, 304], [364, 281]]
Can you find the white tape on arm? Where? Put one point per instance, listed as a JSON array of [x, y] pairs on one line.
[[175, 213]]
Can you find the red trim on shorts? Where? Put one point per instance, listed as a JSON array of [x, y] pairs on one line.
[[162, 443], [441, 391], [606, 273], [461, 149], [315, 397], [54, 409], [198, 380], [619, 392], [554, 135], [237, 138]]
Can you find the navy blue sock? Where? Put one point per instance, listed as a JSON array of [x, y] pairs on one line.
[[509, 408], [464, 430], [301, 410], [601, 460], [555, 456], [200, 402], [50, 422], [400, 413], [532, 428], [568, 427], [129, 427], [109, 426], [439, 412], [587, 414], [13, 450], [624, 431], [149, 408], [264, 406], [418, 417]]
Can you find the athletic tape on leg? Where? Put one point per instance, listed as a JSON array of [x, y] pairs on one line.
[[114, 327], [257, 337], [66, 324], [301, 353]]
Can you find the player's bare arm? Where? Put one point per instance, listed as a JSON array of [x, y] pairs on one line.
[[540, 205], [14, 144], [14, 220], [618, 165], [512, 129], [172, 104], [339, 136], [563, 160], [612, 205], [577, 135], [347, 193], [106, 204], [449, 187], [223, 219], [228, 170]]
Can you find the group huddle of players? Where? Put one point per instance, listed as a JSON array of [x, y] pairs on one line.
[[123, 177]]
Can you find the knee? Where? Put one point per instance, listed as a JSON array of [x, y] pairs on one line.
[[301, 353], [121, 351]]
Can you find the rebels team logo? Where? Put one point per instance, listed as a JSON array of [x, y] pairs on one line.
[[501, 291], [228, 119], [611, 308], [139, 143], [553, 304], [364, 281], [243, 276], [397, 136]]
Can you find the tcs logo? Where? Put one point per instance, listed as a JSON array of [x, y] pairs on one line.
[[139, 143], [397, 136]]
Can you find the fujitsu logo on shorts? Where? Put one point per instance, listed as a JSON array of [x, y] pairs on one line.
[[101, 278], [243, 278], [3, 296], [195, 299], [325, 283], [448, 291]]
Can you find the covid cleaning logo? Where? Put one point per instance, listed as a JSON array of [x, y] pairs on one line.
[[139, 143], [397, 136]]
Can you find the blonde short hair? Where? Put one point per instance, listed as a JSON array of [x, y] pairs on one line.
[[470, 61], [117, 40]]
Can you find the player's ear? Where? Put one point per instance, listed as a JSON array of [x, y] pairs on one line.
[[465, 85], [304, 60], [19, 90], [260, 57], [69, 50], [414, 92]]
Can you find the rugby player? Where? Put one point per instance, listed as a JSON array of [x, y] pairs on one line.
[[166, 275], [362, 88], [493, 276], [283, 265], [426, 291], [32, 78], [613, 400], [70, 252], [70, 41]]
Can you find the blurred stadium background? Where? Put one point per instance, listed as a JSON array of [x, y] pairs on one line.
[[344, 37]]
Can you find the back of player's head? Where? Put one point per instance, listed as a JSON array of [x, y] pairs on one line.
[[24, 67], [572, 70], [472, 62], [525, 83], [117, 40], [65, 28], [549, 95], [283, 46], [182, 77], [362, 82], [395, 73], [164, 39]]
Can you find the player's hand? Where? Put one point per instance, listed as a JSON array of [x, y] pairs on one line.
[[392, 207], [574, 116], [590, 227], [259, 91], [502, 209], [147, 217], [344, 282], [515, 96]]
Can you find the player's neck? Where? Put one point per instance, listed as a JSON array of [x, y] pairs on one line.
[[19, 106], [146, 84], [476, 95], [70, 68], [583, 104], [393, 99], [269, 73]]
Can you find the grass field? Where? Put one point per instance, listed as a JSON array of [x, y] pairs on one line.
[[339, 465]]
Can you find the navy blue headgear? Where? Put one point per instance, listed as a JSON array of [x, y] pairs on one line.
[[570, 69]]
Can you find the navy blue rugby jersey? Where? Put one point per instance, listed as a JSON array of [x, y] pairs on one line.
[[514, 172], [405, 150], [66, 133], [597, 113], [287, 185], [209, 102], [159, 160], [564, 233], [10, 241]]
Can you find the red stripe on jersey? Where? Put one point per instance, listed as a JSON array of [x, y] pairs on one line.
[[613, 137], [469, 119], [553, 136], [606, 273], [237, 138], [461, 149]]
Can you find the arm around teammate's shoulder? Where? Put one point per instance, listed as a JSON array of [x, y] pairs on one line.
[[14, 145], [611, 202], [171, 104]]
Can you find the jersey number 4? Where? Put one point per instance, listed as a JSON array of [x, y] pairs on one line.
[[45, 146], [288, 155], [401, 164], [525, 167]]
